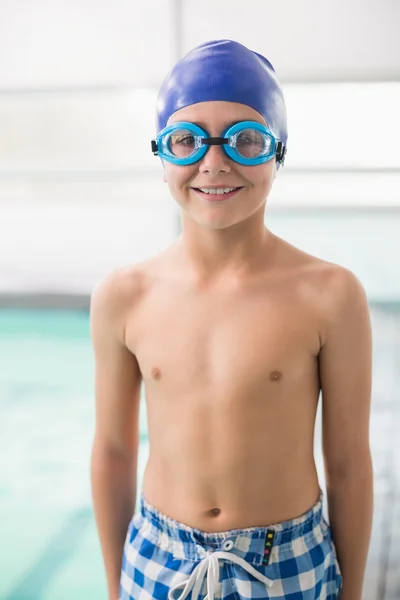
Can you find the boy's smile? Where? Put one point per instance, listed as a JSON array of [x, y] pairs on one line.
[[220, 193]]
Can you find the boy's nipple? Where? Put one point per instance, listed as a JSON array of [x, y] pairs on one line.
[[156, 373], [275, 376]]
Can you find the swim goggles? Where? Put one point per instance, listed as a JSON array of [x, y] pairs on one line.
[[247, 143]]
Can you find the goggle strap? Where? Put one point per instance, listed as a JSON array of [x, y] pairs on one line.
[[214, 141], [280, 152]]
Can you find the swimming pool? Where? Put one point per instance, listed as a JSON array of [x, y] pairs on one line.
[[49, 546]]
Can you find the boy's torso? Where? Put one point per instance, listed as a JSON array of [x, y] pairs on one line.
[[232, 384]]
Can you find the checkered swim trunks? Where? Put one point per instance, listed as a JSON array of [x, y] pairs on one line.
[[168, 560]]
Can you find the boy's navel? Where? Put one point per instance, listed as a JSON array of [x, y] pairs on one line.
[[215, 511]]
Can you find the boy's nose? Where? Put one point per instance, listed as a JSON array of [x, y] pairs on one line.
[[215, 159]]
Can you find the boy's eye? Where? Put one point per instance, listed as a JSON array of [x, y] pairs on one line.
[[183, 139], [182, 143], [188, 139], [245, 140], [251, 143]]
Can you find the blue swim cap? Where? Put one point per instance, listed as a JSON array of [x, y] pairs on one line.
[[224, 70]]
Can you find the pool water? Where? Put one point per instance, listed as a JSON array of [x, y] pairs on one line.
[[49, 548]]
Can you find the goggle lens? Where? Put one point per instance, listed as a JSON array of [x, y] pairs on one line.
[[251, 143], [182, 143]]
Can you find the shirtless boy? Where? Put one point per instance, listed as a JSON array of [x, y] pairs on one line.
[[234, 332]]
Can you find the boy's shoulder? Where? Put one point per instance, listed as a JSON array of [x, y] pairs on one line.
[[128, 282], [322, 269], [331, 282]]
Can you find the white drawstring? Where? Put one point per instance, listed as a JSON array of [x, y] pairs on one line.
[[210, 566]]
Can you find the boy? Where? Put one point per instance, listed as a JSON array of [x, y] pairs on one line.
[[233, 332]]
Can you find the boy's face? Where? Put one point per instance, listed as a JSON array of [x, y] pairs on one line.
[[217, 170]]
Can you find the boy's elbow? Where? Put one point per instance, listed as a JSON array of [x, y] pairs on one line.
[[353, 468], [106, 449]]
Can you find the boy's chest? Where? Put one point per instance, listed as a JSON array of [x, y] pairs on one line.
[[224, 340]]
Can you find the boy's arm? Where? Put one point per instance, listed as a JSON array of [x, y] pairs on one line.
[[346, 374], [115, 445]]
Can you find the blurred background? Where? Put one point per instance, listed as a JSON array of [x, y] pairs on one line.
[[81, 194]]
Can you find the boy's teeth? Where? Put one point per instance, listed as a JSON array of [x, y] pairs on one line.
[[217, 190]]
